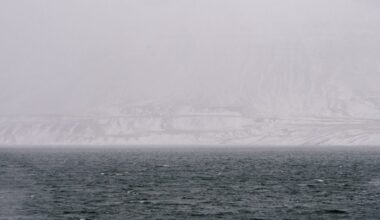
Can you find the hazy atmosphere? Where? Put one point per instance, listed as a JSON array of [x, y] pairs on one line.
[[189, 109], [258, 59], [71, 56]]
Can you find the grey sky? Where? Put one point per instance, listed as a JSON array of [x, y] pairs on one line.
[[70, 56]]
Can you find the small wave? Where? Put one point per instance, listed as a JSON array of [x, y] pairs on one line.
[[333, 211], [375, 182]]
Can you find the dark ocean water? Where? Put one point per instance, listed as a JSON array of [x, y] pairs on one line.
[[203, 183]]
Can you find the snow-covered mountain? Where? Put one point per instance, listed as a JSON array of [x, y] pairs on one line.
[[186, 125], [273, 72]]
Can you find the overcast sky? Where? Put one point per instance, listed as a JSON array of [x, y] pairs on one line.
[[69, 56]]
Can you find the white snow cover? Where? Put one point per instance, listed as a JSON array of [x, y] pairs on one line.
[[190, 72], [183, 127]]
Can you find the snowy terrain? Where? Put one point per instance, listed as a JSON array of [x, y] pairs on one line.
[[186, 126], [254, 72]]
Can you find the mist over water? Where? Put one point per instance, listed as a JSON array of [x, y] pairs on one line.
[[267, 58]]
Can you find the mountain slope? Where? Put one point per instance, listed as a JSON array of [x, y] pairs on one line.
[[187, 125]]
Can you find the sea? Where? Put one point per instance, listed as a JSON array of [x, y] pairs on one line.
[[229, 182]]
